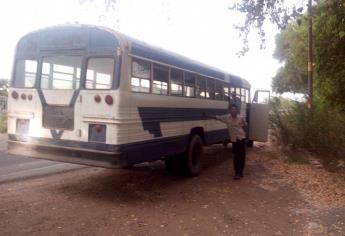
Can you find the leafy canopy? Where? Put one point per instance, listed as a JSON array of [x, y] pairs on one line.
[[328, 50]]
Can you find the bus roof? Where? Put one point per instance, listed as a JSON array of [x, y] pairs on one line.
[[102, 38]]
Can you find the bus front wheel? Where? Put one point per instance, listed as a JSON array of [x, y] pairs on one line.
[[192, 162]]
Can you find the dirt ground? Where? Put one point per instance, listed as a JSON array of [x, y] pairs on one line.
[[270, 200]]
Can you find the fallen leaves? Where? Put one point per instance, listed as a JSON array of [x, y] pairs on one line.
[[319, 187]]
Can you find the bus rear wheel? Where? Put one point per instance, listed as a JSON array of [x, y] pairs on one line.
[[192, 161]]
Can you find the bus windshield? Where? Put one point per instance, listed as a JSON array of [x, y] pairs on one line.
[[61, 72]]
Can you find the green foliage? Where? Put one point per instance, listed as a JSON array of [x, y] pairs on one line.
[[3, 123], [4, 87], [328, 50], [321, 131], [291, 48], [296, 158]]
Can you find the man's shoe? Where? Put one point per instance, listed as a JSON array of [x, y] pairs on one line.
[[241, 175], [237, 177]]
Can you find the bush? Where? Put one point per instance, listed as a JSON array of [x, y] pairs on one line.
[[321, 131], [3, 123]]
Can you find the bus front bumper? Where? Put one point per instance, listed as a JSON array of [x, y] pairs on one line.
[[73, 155]]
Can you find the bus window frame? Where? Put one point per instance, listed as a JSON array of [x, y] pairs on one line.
[[184, 84], [169, 90], [38, 74], [83, 81], [150, 79]]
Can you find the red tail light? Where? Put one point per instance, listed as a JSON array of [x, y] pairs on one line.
[[23, 96], [15, 95], [109, 100], [98, 128], [97, 98]]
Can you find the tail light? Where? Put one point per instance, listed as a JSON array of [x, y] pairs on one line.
[[97, 133], [97, 98], [98, 128], [15, 95], [23, 96], [109, 100]]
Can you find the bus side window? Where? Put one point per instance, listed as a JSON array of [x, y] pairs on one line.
[[201, 87], [160, 79], [248, 96], [232, 95], [219, 90], [189, 85], [243, 95], [176, 85], [210, 88], [226, 92], [238, 94], [99, 74], [141, 74]]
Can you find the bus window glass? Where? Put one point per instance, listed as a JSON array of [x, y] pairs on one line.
[[210, 88], [200, 87], [226, 92], [99, 74], [176, 86], [189, 85], [160, 80], [141, 74], [25, 74], [243, 95], [238, 93], [248, 96], [219, 92], [61, 72]]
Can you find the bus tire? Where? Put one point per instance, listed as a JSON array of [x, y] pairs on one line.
[[193, 160], [250, 143]]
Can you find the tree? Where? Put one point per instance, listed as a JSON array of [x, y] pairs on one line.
[[329, 54], [258, 11], [291, 49]]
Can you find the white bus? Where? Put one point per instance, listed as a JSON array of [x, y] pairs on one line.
[[93, 96]]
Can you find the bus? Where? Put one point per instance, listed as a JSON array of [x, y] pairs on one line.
[[89, 95]]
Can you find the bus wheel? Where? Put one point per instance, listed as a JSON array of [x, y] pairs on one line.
[[193, 157]]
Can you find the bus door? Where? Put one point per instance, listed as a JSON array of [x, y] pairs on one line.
[[258, 116]]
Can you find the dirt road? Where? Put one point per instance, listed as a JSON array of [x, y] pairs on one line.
[[147, 201]]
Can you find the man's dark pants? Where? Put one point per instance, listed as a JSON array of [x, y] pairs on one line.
[[239, 150]]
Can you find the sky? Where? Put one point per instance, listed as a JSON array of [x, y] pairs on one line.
[[201, 30]]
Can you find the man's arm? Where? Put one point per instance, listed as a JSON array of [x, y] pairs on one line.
[[208, 116], [223, 118]]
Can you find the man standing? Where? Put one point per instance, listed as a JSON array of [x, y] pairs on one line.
[[236, 127]]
